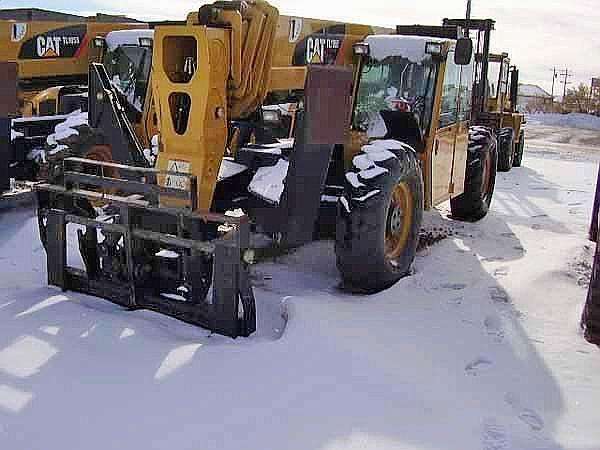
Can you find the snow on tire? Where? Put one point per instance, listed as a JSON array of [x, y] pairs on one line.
[[480, 176], [379, 216]]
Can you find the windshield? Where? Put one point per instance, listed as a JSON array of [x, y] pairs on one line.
[[128, 68], [394, 84], [493, 78]]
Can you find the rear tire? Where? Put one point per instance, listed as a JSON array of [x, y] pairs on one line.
[[480, 177], [379, 220], [519, 150], [506, 149]]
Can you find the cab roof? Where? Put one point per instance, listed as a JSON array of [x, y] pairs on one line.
[[410, 47], [120, 38]]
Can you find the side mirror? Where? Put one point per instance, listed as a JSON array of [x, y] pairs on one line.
[[463, 52], [99, 42]]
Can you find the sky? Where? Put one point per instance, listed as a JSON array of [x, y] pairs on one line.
[[538, 34]]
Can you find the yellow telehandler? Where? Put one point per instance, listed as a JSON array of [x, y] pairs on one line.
[[52, 50], [380, 126]]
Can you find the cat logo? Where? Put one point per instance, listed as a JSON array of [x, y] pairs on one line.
[[48, 46], [65, 42], [322, 50], [295, 29], [18, 32]]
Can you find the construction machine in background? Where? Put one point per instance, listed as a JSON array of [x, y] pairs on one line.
[[502, 106], [495, 93], [44, 58], [52, 50], [380, 132], [126, 53]]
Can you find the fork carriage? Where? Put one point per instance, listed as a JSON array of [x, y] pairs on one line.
[[144, 254]]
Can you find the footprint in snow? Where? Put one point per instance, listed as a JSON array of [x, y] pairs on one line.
[[477, 365], [456, 300], [499, 295], [501, 271], [493, 258], [532, 419], [493, 327], [454, 286], [493, 436], [525, 415]]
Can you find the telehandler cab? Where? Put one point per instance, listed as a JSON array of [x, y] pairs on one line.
[[381, 133]]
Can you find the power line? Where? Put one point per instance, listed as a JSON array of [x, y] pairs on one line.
[[565, 74]]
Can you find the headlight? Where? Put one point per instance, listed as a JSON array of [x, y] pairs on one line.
[[146, 42], [361, 48], [433, 48], [271, 116]]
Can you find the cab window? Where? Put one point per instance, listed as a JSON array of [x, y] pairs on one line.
[[450, 92], [466, 92]]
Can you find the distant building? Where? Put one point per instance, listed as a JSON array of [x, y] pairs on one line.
[[37, 14], [532, 98]]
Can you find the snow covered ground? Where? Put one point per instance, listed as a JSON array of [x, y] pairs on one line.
[[572, 120], [478, 349]]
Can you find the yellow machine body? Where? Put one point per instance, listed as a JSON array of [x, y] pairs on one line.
[[236, 66], [53, 52]]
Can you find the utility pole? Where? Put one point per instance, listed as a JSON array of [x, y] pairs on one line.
[[554, 76], [566, 75]]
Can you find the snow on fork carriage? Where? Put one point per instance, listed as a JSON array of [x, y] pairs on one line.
[[410, 47], [65, 130], [15, 134], [268, 182]]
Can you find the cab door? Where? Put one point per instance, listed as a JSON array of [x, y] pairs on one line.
[[442, 159], [461, 145]]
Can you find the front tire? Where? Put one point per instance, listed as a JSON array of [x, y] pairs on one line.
[[379, 219], [506, 149], [480, 177]]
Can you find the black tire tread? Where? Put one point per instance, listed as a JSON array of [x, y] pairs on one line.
[[506, 149], [360, 245], [519, 150], [472, 205]]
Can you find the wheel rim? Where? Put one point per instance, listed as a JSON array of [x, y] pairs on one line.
[[399, 220]]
